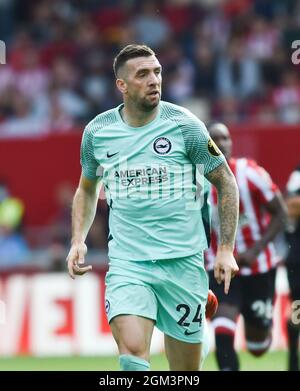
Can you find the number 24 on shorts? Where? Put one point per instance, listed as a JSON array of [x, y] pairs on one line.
[[187, 310]]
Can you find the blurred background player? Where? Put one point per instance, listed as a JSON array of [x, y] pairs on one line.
[[293, 263], [252, 292]]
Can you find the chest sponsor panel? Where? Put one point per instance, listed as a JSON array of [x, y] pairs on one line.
[[153, 181], [142, 176]]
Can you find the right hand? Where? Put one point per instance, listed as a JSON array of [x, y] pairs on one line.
[[225, 268], [76, 258]]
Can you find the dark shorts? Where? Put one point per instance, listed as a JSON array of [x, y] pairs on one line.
[[253, 296], [293, 274]]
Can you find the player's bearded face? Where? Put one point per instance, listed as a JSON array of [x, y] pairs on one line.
[[144, 82]]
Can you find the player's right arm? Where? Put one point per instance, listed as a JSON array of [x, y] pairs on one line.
[[83, 214], [84, 204]]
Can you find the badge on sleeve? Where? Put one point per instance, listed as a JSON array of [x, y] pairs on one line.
[[212, 148]]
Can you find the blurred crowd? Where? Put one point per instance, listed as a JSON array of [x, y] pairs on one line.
[[229, 60]]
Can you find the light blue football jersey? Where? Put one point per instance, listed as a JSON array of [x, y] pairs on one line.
[[153, 181]]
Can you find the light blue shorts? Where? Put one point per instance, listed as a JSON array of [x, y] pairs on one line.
[[172, 292]]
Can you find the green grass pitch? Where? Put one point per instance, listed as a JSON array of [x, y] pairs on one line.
[[272, 361]]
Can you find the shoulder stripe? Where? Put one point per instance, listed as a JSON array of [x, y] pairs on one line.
[[87, 159], [262, 181]]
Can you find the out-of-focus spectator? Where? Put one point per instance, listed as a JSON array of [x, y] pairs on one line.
[[228, 109], [179, 15], [11, 208], [269, 9], [150, 26], [234, 8], [263, 39], [42, 22], [7, 8], [6, 78], [13, 247], [59, 119], [238, 75], [96, 85], [14, 250], [286, 98], [273, 69], [205, 71], [111, 18], [215, 29], [180, 73], [64, 86], [30, 77], [23, 116]]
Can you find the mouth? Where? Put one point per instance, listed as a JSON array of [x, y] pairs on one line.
[[153, 93]]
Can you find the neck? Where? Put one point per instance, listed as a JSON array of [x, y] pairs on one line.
[[134, 116]]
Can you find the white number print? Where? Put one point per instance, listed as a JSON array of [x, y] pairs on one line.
[[296, 53], [263, 309], [296, 312]]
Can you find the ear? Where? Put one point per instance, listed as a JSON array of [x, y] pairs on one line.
[[121, 85]]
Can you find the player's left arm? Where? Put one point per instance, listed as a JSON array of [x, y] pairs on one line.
[[228, 200], [209, 160]]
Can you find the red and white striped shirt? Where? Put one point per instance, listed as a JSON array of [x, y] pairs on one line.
[[256, 190]]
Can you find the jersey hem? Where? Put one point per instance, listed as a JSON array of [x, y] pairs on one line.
[[159, 256]]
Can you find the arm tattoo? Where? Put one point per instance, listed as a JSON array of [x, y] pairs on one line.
[[228, 202]]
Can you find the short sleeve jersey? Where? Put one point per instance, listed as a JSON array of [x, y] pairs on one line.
[[153, 178]]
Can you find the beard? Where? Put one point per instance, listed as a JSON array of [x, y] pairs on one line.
[[148, 104]]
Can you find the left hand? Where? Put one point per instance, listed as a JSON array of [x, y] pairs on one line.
[[225, 268]]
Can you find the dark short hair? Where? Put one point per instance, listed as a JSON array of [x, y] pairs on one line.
[[129, 52], [213, 123]]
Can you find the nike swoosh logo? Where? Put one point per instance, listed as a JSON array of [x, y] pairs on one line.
[[190, 333], [113, 154]]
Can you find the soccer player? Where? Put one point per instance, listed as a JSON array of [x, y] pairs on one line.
[[293, 266], [148, 154], [261, 217]]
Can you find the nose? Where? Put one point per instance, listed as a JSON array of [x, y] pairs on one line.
[[153, 79]]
